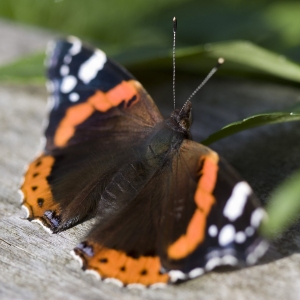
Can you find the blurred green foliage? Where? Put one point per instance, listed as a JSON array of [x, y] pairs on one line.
[[274, 25], [252, 122], [258, 37]]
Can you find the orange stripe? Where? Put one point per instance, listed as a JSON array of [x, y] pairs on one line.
[[110, 263], [204, 199], [100, 101], [36, 188]]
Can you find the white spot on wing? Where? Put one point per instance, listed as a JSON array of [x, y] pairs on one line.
[[43, 142], [26, 211], [236, 203], [76, 45], [68, 84], [213, 230], [67, 59], [196, 273], [74, 97], [21, 193], [227, 235], [114, 281], [229, 260], [249, 231], [257, 253], [50, 48], [43, 226], [50, 86], [77, 258], [158, 285], [89, 69], [93, 273], [176, 275], [212, 263], [219, 261], [257, 217], [64, 70], [240, 237], [50, 104]]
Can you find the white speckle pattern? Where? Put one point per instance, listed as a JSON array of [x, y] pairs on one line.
[[68, 84], [76, 47], [74, 97], [50, 48], [236, 203], [249, 231], [135, 286], [220, 261], [50, 103], [257, 217], [257, 253], [21, 193], [49, 53], [212, 263], [43, 142], [50, 86], [89, 69], [64, 70], [43, 226], [227, 235], [26, 211], [213, 230], [176, 275], [77, 258], [196, 273], [67, 59], [240, 237], [229, 260], [114, 281], [93, 273]]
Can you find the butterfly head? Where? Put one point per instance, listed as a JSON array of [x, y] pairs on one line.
[[182, 118]]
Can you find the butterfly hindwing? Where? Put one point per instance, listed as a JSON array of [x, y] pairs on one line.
[[122, 247], [203, 216]]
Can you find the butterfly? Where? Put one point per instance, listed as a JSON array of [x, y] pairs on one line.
[[167, 208]]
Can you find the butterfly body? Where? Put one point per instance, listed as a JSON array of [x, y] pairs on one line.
[[167, 208]]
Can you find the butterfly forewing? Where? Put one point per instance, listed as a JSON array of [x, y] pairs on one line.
[[93, 97]]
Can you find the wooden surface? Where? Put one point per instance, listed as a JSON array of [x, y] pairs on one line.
[[37, 265]]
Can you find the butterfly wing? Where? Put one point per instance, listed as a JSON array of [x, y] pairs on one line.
[[193, 215], [213, 222], [92, 97], [97, 108]]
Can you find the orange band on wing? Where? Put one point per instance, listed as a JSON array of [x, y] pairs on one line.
[[37, 193], [110, 263], [126, 91], [204, 199]]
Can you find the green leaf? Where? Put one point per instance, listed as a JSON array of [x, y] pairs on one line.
[[28, 69], [241, 58], [251, 122], [283, 207]]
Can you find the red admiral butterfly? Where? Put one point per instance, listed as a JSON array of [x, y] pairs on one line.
[[168, 209]]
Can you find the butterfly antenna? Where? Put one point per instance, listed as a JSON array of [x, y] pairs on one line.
[[210, 74], [174, 39]]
